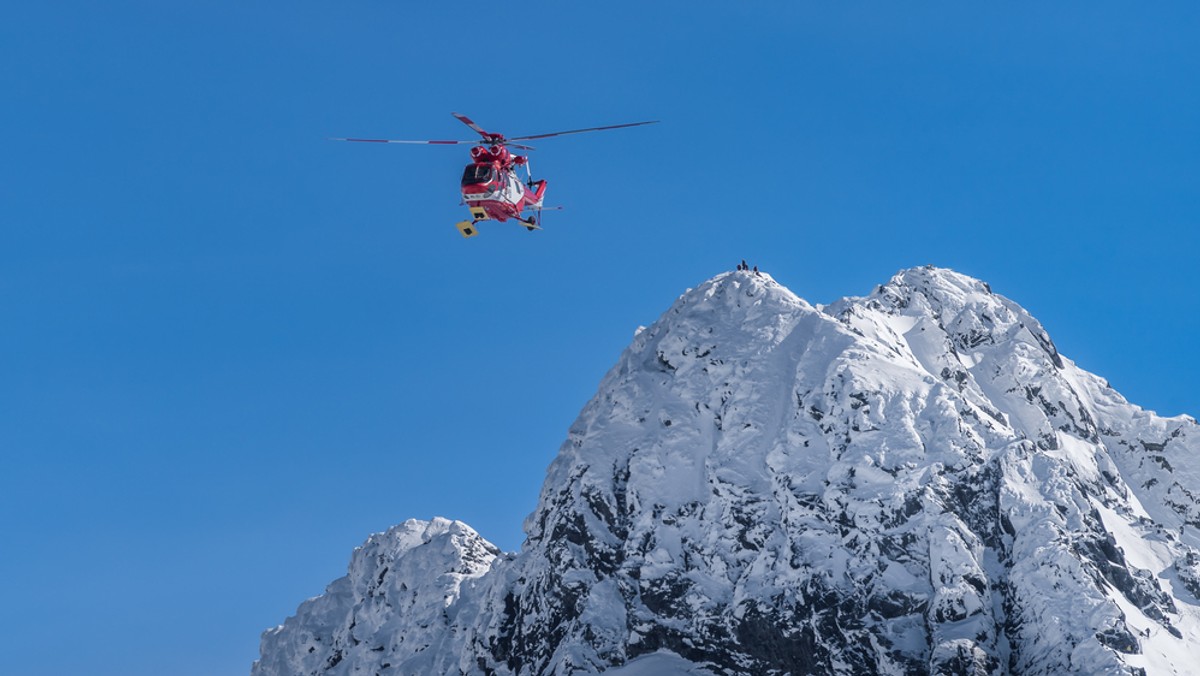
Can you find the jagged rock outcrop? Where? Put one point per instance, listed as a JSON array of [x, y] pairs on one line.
[[911, 482], [394, 608]]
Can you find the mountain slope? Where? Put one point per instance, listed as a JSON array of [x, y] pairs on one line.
[[910, 482]]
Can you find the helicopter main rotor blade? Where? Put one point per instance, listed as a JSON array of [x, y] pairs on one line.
[[478, 130], [388, 140], [431, 143], [580, 131]]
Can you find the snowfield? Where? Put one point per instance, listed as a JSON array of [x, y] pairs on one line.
[[910, 482]]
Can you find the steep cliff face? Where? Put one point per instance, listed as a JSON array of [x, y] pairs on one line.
[[910, 482]]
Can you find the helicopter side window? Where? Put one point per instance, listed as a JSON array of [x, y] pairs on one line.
[[476, 174]]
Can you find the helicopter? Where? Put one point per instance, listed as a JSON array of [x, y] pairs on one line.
[[490, 186]]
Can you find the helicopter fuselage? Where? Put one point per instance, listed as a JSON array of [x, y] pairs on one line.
[[491, 188]]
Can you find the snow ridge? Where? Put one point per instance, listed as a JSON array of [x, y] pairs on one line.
[[914, 481]]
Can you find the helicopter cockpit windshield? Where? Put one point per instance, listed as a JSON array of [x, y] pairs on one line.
[[478, 174]]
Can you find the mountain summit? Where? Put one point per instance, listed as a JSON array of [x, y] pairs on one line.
[[910, 482]]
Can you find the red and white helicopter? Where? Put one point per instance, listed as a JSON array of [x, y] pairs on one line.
[[490, 187]]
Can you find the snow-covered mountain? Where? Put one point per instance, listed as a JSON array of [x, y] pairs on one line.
[[911, 482]]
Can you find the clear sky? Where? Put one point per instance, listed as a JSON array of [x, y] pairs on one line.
[[232, 349]]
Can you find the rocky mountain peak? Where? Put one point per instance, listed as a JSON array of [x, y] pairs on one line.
[[941, 287], [913, 481], [961, 309], [392, 607]]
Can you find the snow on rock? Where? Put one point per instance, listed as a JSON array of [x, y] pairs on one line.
[[914, 481], [391, 611], [663, 663]]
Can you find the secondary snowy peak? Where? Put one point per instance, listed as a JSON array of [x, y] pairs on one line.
[[968, 310], [914, 481], [389, 610]]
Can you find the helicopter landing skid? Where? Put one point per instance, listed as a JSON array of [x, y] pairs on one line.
[[467, 228]]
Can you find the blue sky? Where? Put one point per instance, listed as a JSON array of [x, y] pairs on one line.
[[233, 349]]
